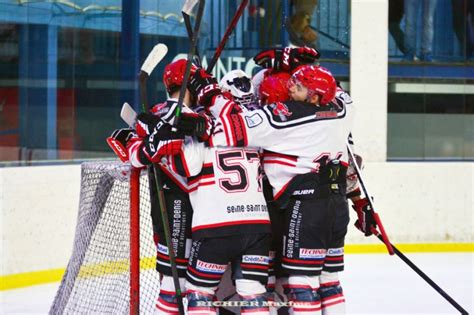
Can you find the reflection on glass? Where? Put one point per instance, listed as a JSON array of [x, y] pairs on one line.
[[61, 73], [65, 67]]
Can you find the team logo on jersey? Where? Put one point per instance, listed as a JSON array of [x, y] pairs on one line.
[[160, 109], [336, 251], [254, 120], [210, 267], [302, 192], [280, 109], [162, 249], [312, 253], [326, 114], [255, 259]]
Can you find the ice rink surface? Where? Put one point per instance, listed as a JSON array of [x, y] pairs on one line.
[[373, 284]]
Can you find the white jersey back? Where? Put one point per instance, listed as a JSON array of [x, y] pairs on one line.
[[225, 189], [297, 137]]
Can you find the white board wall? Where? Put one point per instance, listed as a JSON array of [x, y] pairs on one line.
[[417, 203]]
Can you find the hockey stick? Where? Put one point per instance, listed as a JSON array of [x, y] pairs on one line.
[[154, 57], [190, 57], [128, 115], [369, 199], [426, 278], [227, 33], [186, 12], [152, 60], [391, 248]]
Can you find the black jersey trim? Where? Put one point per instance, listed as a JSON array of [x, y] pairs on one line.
[[318, 114]]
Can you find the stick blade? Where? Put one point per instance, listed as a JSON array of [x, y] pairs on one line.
[[154, 57], [128, 114], [189, 6]]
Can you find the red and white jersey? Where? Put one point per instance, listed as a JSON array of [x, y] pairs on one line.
[[225, 189], [296, 136]]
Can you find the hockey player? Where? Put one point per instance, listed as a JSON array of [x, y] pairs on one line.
[[230, 220], [306, 162], [365, 220], [240, 87], [153, 140], [242, 91], [274, 88]]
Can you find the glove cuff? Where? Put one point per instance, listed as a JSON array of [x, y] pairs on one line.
[[205, 94], [359, 204]]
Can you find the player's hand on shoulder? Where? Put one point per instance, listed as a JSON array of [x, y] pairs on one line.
[[203, 87], [302, 56], [145, 124], [195, 125], [286, 59], [162, 141]]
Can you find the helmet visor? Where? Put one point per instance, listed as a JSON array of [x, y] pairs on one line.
[[242, 83]]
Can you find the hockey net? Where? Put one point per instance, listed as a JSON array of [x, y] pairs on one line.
[[101, 277]]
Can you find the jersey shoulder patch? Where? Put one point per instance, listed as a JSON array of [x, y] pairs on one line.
[[165, 110], [253, 120]]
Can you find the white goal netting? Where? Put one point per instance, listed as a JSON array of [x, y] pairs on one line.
[[97, 278]]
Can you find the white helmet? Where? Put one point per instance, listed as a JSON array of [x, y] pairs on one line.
[[237, 83], [257, 80]]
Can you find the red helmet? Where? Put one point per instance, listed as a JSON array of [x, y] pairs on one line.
[[174, 74], [318, 81], [274, 88]]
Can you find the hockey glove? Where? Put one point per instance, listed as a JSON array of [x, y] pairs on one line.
[[145, 124], [118, 142], [269, 59], [365, 215], [195, 125], [162, 141], [286, 59], [203, 87], [302, 56]]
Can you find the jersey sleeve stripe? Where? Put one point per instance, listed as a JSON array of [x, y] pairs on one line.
[[278, 162], [180, 166], [279, 155], [225, 123], [282, 190], [234, 125], [207, 171], [133, 153], [174, 179]]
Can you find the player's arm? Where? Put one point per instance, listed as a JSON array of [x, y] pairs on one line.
[[237, 128], [188, 162], [154, 139], [286, 59], [353, 190], [365, 219], [232, 126]]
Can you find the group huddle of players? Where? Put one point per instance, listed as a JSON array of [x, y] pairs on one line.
[[256, 174]]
